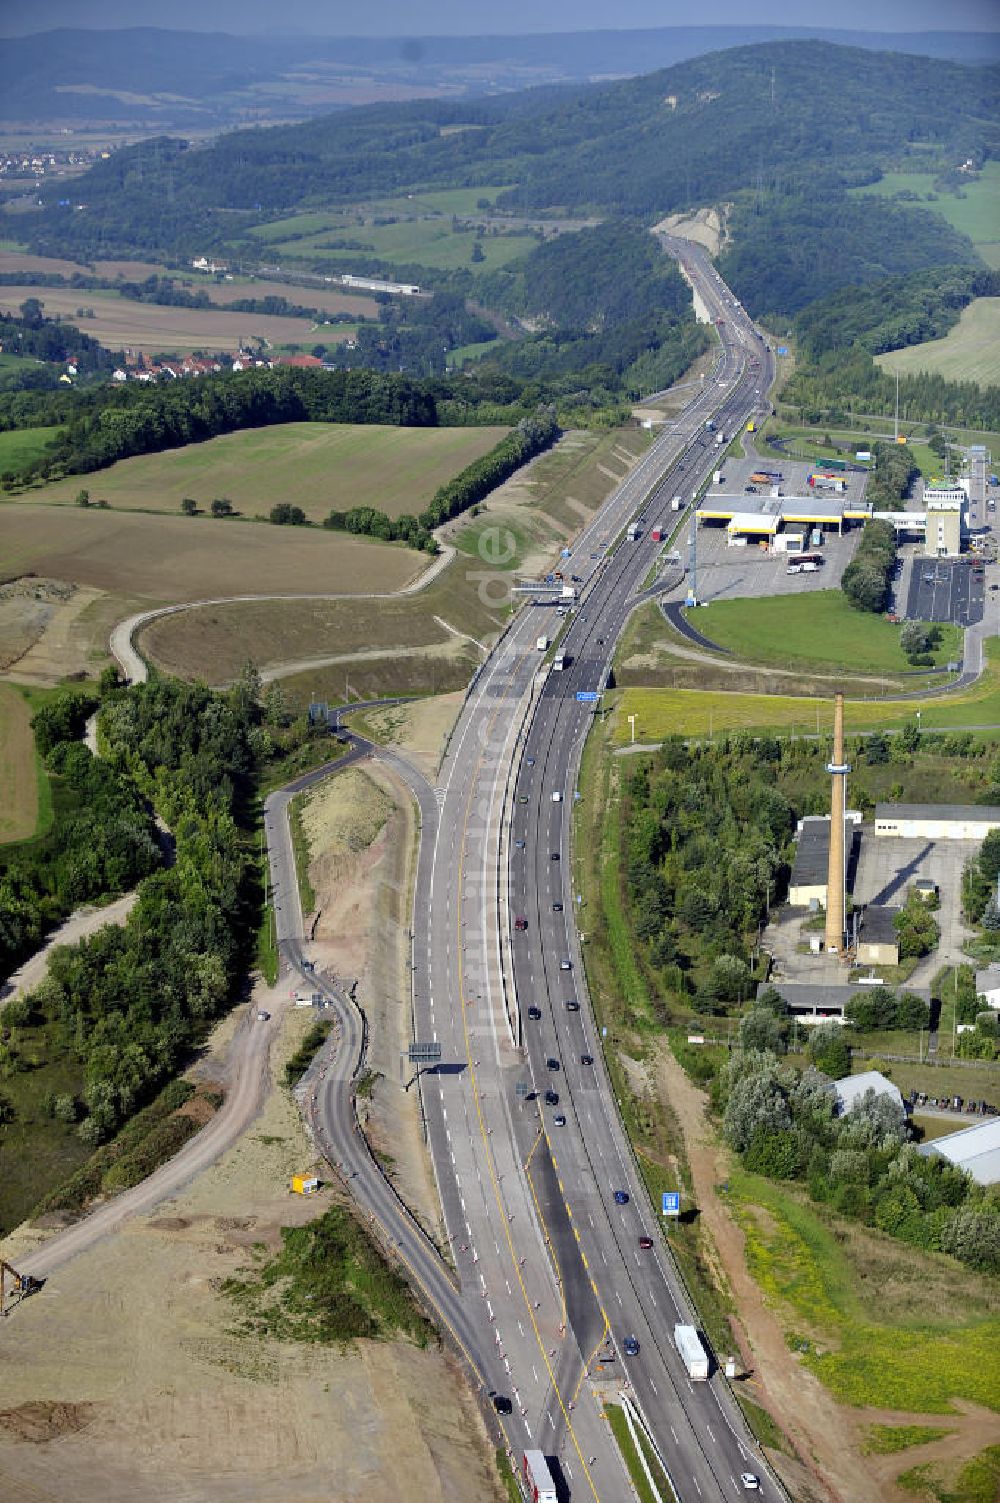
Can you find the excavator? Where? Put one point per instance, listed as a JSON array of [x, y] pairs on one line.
[[19, 1284]]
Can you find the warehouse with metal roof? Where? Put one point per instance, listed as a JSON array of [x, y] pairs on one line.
[[975, 1149]]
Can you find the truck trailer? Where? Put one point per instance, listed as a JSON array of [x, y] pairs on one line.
[[541, 1487], [692, 1353]]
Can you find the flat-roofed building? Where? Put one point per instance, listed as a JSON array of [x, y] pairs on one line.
[[818, 1002], [936, 821], [988, 986], [878, 942], [974, 1149]]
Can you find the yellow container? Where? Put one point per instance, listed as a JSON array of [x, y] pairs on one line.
[[304, 1184]]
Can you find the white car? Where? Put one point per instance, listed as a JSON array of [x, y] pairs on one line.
[[557, 797], [750, 1482], [262, 1016]]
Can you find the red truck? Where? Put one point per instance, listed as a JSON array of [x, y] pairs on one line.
[[541, 1487]]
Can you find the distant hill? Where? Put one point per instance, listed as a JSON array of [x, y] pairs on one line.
[[786, 118], [152, 78]]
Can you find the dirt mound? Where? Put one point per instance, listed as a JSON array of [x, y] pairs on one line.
[[41, 1420]]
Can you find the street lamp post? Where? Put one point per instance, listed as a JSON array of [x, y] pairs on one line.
[[631, 721]]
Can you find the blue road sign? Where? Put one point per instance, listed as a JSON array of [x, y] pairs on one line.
[[587, 696], [671, 1203]]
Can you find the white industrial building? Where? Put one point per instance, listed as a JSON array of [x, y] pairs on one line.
[[936, 821], [853, 1088], [988, 986], [974, 1149]]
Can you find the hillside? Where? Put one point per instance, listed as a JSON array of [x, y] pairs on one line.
[[185, 80], [796, 116]]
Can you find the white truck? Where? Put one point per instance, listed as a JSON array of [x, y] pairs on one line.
[[541, 1487], [677, 503], [633, 532], [569, 592], [559, 662], [692, 1353], [542, 644]]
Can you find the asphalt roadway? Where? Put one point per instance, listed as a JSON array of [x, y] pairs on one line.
[[529, 1205]]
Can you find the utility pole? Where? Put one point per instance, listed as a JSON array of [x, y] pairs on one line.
[[896, 434]]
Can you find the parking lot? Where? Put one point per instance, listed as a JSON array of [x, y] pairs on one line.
[[726, 573], [794, 482], [888, 867], [944, 589]]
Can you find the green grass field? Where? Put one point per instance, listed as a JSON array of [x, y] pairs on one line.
[[976, 213], [20, 445], [318, 466], [694, 712], [19, 772], [408, 242], [880, 1324], [969, 352], [811, 629]]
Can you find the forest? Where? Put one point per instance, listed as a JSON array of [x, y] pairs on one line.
[[130, 1001], [839, 383], [892, 313], [102, 840], [789, 248], [867, 578]]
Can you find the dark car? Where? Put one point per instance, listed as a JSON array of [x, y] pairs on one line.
[[501, 1403], [645, 1243], [520, 923], [631, 1346], [551, 1098], [551, 1063], [621, 1198], [586, 1059], [557, 908], [554, 856], [529, 761], [519, 844], [534, 1013], [571, 1005]]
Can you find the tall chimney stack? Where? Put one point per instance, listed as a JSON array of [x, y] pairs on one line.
[[836, 922]]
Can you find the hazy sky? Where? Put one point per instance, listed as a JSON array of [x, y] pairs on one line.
[[479, 17]]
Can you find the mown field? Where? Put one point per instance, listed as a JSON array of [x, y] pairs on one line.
[[377, 644], [20, 445], [882, 1325], [695, 712], [161, 559], [968, 352], [433, 243], [123, 323], [812, 629], [976, 213], [18, 768], [318, 466]]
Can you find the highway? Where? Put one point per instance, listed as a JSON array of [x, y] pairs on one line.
[[557, 1262]]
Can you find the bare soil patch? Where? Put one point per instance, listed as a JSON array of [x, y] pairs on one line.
[[361, 830], [703, 226], [419, 730], [12, 262], [821, 1431], [129, 1358], [162, 559]]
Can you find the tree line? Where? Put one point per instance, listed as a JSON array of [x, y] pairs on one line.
[[866, 580], [892, 313], [530, 437], [838, 384]]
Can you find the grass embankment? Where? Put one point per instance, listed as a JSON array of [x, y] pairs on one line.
[[968, 352], [328, 1284], [19, 446], [693, 712], [152, 1137], [886, 1440], [21, 775], [818, 629], [881, 1325], [300, 849], [508, 1481], [976, 1482], [298, 1063], [630, 1454]]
